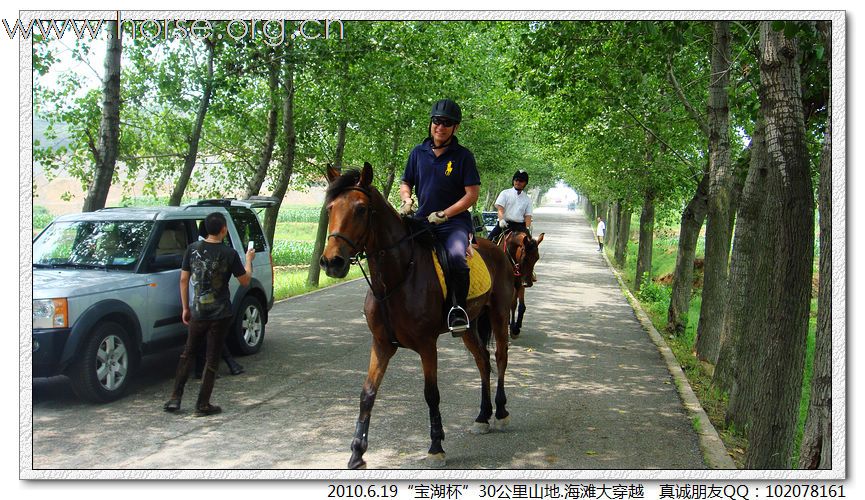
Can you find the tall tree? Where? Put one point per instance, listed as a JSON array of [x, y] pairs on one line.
[[718, 217], [194, 136], [816, 450], [105, 152], [289, 142], [623, 235], [776, 410], [748, 288], [274, 63]]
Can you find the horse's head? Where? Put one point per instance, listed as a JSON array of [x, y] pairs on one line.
[[524, 250], [349, 212]]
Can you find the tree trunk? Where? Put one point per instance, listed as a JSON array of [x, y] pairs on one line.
[[289, 147], [647, 234], [195, 135], [816, 450], [314, 269], [105, 153], [746, 296], [622, 236], [683, 275], [391, 168], [612, 222], [780, 389], [255, 183], [718, 217]]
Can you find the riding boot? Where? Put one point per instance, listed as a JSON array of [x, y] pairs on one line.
[[234, 367], [458, 319]]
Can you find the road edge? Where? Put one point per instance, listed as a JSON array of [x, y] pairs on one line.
[[714, 452]]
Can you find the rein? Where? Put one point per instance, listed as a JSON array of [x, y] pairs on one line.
[[513, 260]]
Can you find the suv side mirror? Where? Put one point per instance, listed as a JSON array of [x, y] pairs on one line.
[[165, 262]]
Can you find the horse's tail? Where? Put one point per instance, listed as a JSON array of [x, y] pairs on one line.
[[485, 328]]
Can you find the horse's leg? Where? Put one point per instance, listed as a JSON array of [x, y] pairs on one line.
[[378, 359], [521, 309], [478, 348], [500, 330], [514, 324], [429, 360]]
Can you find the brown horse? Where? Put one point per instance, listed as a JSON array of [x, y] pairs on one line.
[[523, 253], [405, 306]]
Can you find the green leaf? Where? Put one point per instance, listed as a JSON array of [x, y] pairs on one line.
[[790, 29], [820, 50], [777, 25]]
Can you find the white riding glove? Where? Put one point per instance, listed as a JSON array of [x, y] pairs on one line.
[[407, 207], [503, 223], [437, 217]]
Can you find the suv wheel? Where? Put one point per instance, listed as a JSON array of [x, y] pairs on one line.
[[247, 335], [104, 368]]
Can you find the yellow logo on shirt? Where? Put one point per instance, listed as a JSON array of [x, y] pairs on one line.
[[449, 168]]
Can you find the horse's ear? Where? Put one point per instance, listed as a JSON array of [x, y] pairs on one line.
[[365, 175], [332, 173], [540, 239]]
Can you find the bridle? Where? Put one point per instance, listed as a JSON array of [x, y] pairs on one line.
[[359, 255], [360, 250], [515, 259]]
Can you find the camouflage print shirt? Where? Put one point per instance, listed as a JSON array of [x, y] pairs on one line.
[[210, 266]]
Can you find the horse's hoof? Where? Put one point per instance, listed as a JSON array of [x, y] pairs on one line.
[[502, 424], [360, 465], [435, 460], [480, 428]]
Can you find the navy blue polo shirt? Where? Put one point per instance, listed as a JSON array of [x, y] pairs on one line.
[[440, 181]]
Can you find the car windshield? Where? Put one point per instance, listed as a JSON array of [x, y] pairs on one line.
[[91, 244]]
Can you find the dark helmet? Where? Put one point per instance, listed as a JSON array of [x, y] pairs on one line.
[[448, 109], [521, 175]]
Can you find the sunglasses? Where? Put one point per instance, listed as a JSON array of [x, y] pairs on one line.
[[444, 122]]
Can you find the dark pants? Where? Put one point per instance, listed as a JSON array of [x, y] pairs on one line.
[[455, 239], [214, 332], [512, 226]]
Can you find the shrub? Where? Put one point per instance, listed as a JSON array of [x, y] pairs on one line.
[[652, 292]]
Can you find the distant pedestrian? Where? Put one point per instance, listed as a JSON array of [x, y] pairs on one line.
[[209, 264], [601, 232]]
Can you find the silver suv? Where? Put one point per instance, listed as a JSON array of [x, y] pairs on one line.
[[105, 289]]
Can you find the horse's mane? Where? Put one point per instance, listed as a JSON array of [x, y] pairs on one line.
[[346, 180], [530, 243]]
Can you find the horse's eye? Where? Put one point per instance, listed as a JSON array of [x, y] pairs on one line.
[[360, 210]]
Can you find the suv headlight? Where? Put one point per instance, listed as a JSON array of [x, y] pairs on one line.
[[50, 313]]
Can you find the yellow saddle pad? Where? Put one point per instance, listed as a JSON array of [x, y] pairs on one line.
[[479, 276]]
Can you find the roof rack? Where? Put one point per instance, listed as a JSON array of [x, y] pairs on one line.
[[215, 202]]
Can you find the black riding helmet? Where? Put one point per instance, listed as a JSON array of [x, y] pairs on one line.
[[448, 109], [521, 175]]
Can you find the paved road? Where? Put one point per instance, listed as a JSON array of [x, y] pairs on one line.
[[587, 389]]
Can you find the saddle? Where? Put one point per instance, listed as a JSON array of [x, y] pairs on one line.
[[479, 275]]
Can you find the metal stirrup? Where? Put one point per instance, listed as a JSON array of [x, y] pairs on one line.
[[453, 316]]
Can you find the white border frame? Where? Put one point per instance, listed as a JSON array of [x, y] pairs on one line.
[[839, 233]]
